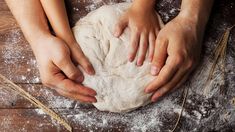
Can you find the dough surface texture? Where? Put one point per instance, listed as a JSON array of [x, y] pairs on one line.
[[119, 83]]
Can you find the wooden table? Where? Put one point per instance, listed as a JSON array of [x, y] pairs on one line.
[[18, 63]]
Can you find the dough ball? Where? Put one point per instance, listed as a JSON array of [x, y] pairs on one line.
[[119, 83]]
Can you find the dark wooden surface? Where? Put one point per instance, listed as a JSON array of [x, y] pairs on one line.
[[18, 63]]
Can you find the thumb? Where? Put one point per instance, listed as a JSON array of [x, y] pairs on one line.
[[70, 70], [160, 55], [120, 26]]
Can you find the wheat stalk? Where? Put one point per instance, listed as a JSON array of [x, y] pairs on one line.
[[12, 86], [182, 109], [220, 56]]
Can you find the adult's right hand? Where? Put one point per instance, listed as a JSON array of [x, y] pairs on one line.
[[58, 71]]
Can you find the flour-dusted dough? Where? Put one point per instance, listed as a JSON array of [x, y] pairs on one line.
[[119, 84]]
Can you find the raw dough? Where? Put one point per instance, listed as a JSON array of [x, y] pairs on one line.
[[119, 84]]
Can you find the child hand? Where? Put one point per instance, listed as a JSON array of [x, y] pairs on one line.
[[177, 51], [144, 26], [59, 72]]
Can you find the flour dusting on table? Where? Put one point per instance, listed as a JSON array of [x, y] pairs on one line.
[[162, 116], [214, 111]]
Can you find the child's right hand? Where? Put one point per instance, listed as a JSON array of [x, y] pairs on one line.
[[143, 22], [58, 71]]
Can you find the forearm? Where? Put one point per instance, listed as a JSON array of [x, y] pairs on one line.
[[196, 10], [57, 15], [31, 18]]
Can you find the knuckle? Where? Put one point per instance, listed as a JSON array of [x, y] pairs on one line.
[[178, 59], [160, 38], [190, 63], [159, 64], [145, 31], [145, 45], [65, 94], [158, 61], [60, 60], [46, 82], [134, 45], [161, 80], [138, 29], [73, 75], [155, 60]]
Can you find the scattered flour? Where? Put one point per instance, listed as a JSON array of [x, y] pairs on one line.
[[155, 116], [150, 118], [40, 111]]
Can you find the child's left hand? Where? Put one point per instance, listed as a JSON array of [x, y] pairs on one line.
[[144, 26]]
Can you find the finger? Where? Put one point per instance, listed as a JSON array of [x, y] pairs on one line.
[[120, 26], [86, 65], [54, 78], [152, 39], [165, 75], [170, 85], [160, 55], [183, 80], [83, 61], [71, 87], [70, 70], [142, 49], [135, 37], [82, 98]]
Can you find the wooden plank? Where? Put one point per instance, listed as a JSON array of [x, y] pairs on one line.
[[49, 97], [35, 120], [18, 120], [3, 6], [18, 63], [7, 21]]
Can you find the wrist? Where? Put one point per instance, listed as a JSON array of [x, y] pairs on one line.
[[193, 17], [68, 39], [194, 24], [144, 4], [39, 40], [197, 11]]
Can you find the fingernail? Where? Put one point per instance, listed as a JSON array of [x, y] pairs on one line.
[[93, 93], [146, 90], [80, 79], [154, 70], [93, 100], [150, 59], [154, 100], [116, 34], [139, 63], [91, 71], [130, 58]]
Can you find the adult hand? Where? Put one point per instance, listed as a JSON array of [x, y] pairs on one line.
[[144, 26], [58, 71], [177, 51]]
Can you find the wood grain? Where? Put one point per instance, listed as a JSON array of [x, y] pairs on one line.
[[18, 63]]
